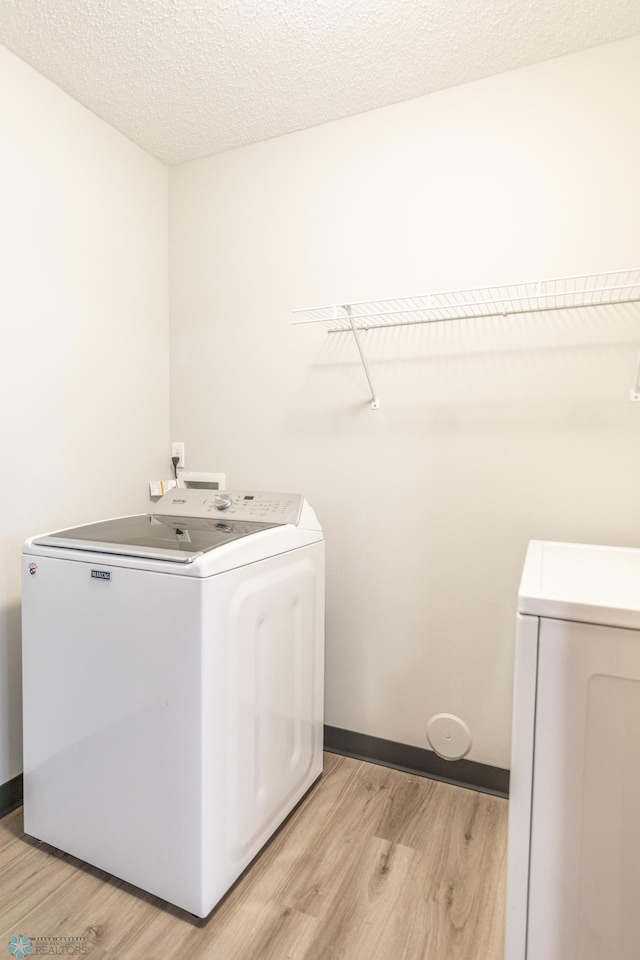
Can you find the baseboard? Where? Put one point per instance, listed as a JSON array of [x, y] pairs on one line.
[[10, 795], [361, 746], [416, 760]]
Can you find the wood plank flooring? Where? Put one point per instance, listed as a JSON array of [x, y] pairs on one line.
[[374, 864]]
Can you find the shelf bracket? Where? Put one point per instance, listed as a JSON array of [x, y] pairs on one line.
[[635, 390], [375, 403]]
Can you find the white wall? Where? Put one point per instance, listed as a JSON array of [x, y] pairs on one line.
[[84, 323], [489, 432]]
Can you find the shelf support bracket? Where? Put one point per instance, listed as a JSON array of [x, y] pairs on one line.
[[635, 390], [375, 403]]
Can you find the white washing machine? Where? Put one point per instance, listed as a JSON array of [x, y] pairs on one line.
[[573, 890], [173, 687]]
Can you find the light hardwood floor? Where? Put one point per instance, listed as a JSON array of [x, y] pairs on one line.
[[374, 864]]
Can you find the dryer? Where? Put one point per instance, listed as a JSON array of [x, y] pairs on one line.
[[173, 674], [573, 885]]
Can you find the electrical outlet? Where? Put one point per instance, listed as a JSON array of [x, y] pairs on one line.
[[177, 450]]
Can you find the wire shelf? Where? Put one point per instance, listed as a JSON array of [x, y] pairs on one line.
[[560, 293]]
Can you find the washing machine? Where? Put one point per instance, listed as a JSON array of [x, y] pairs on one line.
[[173, 686], [573, 886]]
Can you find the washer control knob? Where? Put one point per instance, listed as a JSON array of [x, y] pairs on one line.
[[222, 502]]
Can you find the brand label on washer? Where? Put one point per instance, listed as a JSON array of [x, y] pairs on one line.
[[101, 574]]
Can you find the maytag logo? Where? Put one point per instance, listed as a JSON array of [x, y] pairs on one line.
[[101, 574]]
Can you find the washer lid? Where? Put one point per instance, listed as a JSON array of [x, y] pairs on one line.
[[582, 582], [180, 539]]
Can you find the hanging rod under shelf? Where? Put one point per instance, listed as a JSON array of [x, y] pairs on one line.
[[500, 300]]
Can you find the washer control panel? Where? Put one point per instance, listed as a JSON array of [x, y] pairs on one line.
[[243, 505]]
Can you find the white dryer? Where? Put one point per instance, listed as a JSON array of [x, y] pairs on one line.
[[173, 671], [574, 831]]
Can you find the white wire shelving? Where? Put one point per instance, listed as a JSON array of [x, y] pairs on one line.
[[558, 293]]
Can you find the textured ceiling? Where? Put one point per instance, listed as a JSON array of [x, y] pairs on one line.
[[186, 78]]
